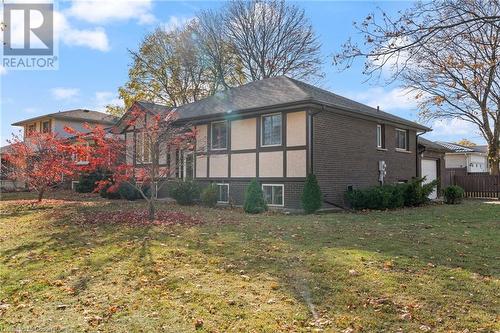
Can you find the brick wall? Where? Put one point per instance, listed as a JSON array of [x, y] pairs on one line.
[[345, 153], [293, 191]]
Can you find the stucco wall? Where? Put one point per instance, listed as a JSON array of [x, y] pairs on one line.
[[243, 165], [296, 129], [218, 166], [201, 166], [271, 164], [243, 134], [201, 138], [296, 163]]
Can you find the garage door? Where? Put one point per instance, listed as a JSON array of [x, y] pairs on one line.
[[429, 170]]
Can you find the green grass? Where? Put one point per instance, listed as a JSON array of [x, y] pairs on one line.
[[433, 268]]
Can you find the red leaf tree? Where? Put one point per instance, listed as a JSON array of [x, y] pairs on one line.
[[156, 135], [41, 160]]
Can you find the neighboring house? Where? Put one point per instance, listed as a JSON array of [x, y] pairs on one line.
[[278, 130], [55, 122], [432, 163], [474, 159]]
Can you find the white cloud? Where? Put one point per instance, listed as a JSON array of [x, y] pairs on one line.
[[104, 98], [65, 93], [387, 100], [176, 22], [104, 11], [95, 38]]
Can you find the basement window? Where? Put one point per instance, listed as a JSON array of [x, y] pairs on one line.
[[273, 194], [222, 193]]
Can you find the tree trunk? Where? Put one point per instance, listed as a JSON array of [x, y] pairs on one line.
[[40, 194], [151, 207], [493, 159]]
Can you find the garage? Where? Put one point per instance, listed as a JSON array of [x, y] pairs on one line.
[[430, 172]]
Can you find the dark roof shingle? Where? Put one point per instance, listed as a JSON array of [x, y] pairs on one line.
[[275, 92], [77, 114]]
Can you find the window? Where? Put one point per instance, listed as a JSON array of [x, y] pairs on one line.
[[31, 129], [46, 127], [273, 194], [401, 139], [222, 193], [219, 135], [271, 130], [380, 136], [143, 148]]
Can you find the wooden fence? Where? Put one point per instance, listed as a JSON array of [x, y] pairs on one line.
[[479, 185]]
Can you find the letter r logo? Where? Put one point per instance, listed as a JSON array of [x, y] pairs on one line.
[[29, 29]]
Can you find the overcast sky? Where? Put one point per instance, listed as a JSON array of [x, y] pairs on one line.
[[93, 59]]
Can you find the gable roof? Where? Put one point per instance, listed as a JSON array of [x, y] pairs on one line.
[[456, 148], [431, 145], [279, 91], [77, 114], [153, 108]]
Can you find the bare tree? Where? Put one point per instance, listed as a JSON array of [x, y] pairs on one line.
[[272, 38], [447, 52], [218, 51]]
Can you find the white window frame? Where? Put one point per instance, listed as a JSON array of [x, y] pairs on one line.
[[406, 148], [223, 184], [212, 134], [262, 129], [73, 184], [282, 194], [379, 136]]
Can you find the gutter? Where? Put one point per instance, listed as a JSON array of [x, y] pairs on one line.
[[417, 152]]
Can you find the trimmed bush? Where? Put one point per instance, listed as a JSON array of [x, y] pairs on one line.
[[130, 192], [410, 194], [87, 182], [185, 192], [209, 195], [416, 193], [105, 193], [453, 194], [311, 195], [254, 198]]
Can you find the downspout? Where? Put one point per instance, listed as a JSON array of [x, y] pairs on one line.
[[417, 153]]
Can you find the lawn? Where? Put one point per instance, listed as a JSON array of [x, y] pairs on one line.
[[434, 268]]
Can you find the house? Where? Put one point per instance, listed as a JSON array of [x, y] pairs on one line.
[[280, 129], [473, 159], [432, 163], [56, 122]]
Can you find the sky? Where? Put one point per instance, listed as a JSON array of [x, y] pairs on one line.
[[94, 39]]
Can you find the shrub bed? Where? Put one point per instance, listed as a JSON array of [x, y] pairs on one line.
[[185, 192], [453, 194], [209, 195], [413, 193]]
